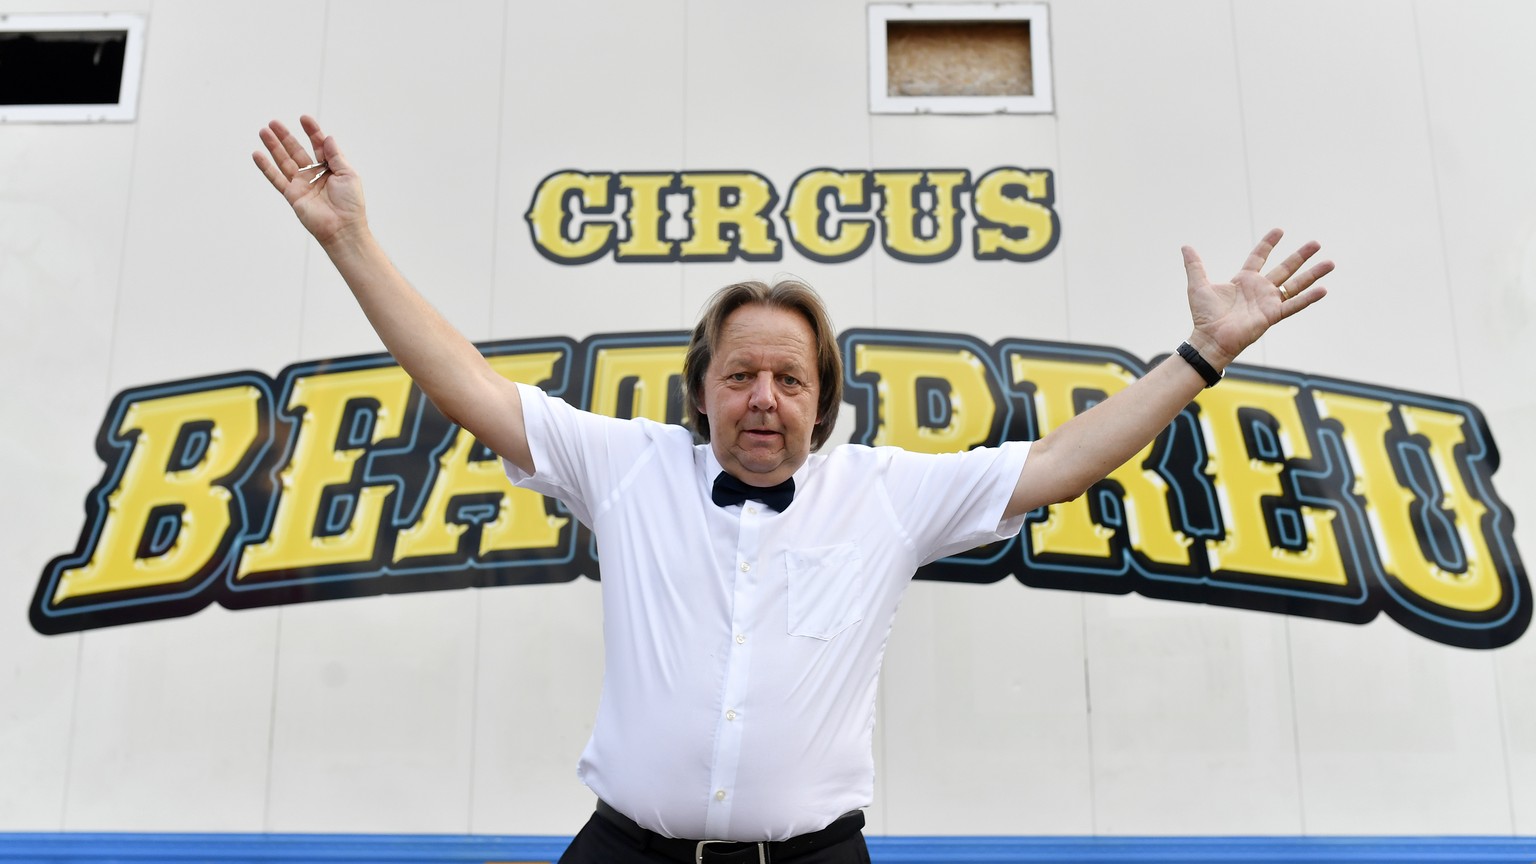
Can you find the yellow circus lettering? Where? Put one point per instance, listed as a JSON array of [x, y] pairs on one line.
[[1244, 481], [1069, 528], [648, 367], [901, 369], [1018, 227], [645, 218], [156, 492], [521, 520], [901, 213], [549, 216], [1366, 426], [1477, 588], [318, 462], [740, 200], [807, 214]]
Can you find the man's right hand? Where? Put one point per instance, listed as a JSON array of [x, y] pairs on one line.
[[448, 368], [328, 199]]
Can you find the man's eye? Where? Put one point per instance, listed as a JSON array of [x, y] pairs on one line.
[[738, 376], [791, 381]]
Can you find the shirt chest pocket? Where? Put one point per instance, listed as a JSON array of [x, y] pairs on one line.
[[826, 590]]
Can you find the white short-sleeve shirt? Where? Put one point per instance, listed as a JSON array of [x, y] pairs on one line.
[[742, 646]]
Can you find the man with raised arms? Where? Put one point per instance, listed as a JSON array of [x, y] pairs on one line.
[[750, 582]]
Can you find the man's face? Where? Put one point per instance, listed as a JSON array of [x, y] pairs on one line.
[[760, 394]]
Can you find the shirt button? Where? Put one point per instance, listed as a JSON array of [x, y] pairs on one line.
[[720, 796], [730, 715], [740, 639], [751, 509], [745, 566]]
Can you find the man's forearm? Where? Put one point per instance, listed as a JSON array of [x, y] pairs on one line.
[[1068, 460], [447, 367]]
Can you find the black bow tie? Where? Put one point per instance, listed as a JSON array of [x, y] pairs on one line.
[[729, 490]]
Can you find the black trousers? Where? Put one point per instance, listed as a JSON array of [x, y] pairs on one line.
[[599, 842]]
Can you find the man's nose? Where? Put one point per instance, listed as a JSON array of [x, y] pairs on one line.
[[762, 392]]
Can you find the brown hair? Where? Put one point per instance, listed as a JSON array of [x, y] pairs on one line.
[[788, 294]]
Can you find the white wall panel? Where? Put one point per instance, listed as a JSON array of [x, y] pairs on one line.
[[171, 725], [986, 725], [1477, 82], [373, 715], [1191, 719], [411, 90], [63, 195], [1338, 150], [593, 87], [170, 728], [1151, 159], [1396, 733], [1516, 669], [62, 200], [539, 673], [778, 89], [208, 285]]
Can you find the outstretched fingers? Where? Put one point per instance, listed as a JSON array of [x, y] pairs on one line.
[[275, 164], [287, 155], [1293, 263], [1303, 289], [270, 171], [292, 146], [1261, 252], [288, 158]]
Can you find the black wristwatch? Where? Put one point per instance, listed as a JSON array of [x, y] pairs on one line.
[[1209, 373]]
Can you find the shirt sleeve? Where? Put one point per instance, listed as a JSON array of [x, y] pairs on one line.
[[578, 457], [951, 502]]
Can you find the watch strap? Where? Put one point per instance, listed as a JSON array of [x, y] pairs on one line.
[[1209, 373]]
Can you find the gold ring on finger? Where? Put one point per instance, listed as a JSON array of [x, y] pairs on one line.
[[1284, 294]]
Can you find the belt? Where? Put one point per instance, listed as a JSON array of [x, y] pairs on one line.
[[693, 851]]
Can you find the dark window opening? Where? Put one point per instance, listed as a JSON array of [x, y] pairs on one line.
[[62, 67]]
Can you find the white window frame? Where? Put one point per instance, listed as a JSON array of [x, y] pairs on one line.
[[1038, 16], [127, 106]]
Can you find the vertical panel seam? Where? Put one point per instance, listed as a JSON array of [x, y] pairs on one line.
[[74, 714], [1242, 131], [277, 653], [1434, 181], [277, 641], [1093, 788], [479, 603], [1290, 680], [1065, 262]]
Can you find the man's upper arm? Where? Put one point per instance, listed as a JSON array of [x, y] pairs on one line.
[[496, 419]]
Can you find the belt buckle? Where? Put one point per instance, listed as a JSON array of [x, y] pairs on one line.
[[698, 852]]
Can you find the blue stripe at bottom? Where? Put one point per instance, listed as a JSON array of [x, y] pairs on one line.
[[63, 848]]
